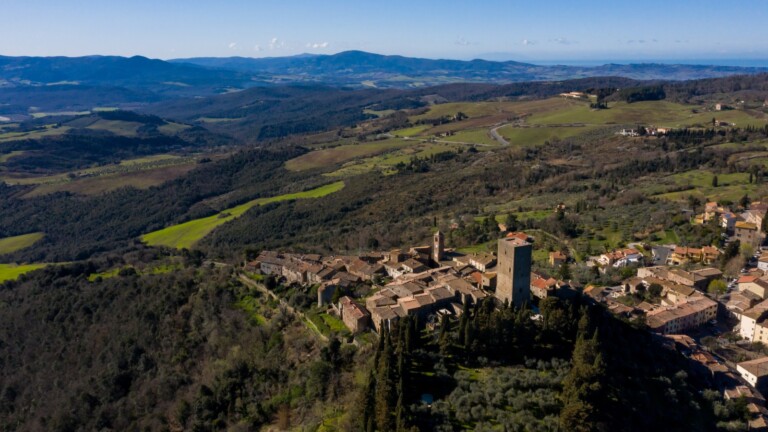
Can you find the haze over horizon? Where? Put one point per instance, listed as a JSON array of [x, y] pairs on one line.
[[557, 31]]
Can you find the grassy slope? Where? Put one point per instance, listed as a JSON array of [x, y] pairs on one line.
[[12, 244], [185, 235], [13, 271], [335, 155]]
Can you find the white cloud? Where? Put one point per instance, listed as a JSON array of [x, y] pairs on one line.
[[232, 45], [317, 45], [463, 42], [276, 43], [258, 48], [528, 42], [563, 41]]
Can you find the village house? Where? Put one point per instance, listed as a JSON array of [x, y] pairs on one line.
[[595, 292], [754, 216], [754, 284], [762, 262], [683, 255], [574, 95], [542, 287], [689, 314], [755, 372], [740, 302], [354, 316], [698, 279], [752, 323], [620, 258], [728, 221], [746, 233], [482, 261], [557, 258]]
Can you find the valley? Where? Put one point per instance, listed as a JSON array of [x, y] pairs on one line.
[[209, 246]]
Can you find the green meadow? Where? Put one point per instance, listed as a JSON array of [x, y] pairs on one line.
[[13, 244], [13, 271], [185, 235], [335, 155]]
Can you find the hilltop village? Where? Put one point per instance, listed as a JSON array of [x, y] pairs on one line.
[[679, 293]]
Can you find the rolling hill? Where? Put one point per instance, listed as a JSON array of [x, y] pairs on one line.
[[363, 68]]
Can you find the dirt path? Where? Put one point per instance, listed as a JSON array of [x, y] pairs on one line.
[[296, 313]]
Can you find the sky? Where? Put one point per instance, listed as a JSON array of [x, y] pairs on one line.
[[539, 30]]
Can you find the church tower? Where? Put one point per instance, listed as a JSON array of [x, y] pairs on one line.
[[438, 247]]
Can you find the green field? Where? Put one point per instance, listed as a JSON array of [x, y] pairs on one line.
[[332, 156], [13, 244], [13, 271], [117, 127], [471, 109], [379, 113], [386, 163], [473, 136], [49, 130], [185, 235], [215, 119], [535, 136], [38, 115], [140, 173], [658, 113], [411, 131]]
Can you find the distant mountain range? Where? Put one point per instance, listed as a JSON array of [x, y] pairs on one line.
[[352, 68], [60, 83], [362, 68]]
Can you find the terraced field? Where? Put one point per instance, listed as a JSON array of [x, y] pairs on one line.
[[187, 234]]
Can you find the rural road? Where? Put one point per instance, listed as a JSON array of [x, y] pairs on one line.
[[495, 134]]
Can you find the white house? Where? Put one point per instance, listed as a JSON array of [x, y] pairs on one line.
[[755, 372]]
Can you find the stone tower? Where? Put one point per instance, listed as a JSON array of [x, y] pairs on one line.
[[513, 281], [438, 247]]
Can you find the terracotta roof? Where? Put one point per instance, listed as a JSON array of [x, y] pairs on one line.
[[746, 279], [350, 307], [519, 235]]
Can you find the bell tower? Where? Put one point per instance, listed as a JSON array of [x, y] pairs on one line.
[[438, 247]]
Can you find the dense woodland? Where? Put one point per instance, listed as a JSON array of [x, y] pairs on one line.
[[168, 351]]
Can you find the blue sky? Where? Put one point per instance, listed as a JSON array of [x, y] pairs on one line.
[[527, 31]]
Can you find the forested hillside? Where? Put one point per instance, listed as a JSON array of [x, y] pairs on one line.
[[148, 349]]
